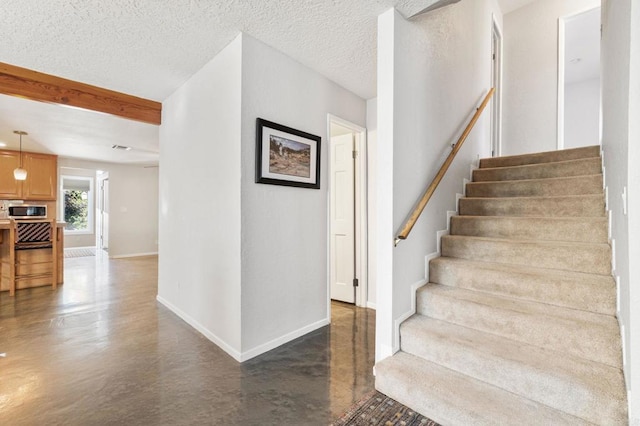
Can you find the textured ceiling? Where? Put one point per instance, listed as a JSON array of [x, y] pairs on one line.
[[148, 48]]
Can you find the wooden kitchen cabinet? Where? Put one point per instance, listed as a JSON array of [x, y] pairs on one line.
[[9, 187], [42, 176]]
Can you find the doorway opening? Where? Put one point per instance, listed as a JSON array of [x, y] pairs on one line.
[[347, 212], [496, 82], [77, 201], [102, 234], [579, 105]]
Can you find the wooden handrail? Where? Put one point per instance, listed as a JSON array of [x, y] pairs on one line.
[[417, 211]]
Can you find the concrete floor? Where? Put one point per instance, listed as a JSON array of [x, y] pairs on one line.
[[101, 351]]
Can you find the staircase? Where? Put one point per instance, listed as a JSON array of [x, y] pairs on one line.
[[517, 325]]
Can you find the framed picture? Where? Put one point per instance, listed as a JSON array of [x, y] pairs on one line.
[[286, 156]]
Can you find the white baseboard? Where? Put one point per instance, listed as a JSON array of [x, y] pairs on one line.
[[202, 329], [247, 355], [125, 256], [371, 305], [266, 347], [396, 324], [82, 248]]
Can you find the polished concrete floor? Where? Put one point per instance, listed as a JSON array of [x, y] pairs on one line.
[[101, 351]]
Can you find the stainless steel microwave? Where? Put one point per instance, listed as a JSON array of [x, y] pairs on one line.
[[28, 211]]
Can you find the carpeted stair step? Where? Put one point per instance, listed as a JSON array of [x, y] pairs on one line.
[[572, 205], [585, 389], [581, 167], [452, 398], [586, 292], [576, 185], [566, 256], [575, 229], [584, 334], [541, 157]]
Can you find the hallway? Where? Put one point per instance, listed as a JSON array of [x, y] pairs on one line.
[[101, 350]]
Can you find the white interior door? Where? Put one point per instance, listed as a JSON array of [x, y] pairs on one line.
[[342, 219]]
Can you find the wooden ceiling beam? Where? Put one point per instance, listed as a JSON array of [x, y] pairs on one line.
[[37, 86]]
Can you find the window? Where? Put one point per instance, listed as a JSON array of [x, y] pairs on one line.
[[77, 205]]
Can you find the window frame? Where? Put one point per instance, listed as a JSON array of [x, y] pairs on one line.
[[90, 230]]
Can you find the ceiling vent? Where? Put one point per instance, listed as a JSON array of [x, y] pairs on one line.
[[121, 147]]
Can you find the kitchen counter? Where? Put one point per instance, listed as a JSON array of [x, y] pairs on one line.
[[23, 265]]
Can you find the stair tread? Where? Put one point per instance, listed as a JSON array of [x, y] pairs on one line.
[[576, 290], [543, 157], [571, 185], [452, 398], [534, 180], [560, 380], [538, 228], [531, 242], [586, 334], [507, 303], [598, 219], [529, 270], [539, 197], [590, 205], [525, 167]]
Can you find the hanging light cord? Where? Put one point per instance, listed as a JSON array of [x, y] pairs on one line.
[[20, 150]]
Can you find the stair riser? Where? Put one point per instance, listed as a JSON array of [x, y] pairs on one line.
[[595, 343], [591, 166], [565, 392], [544, 229], [542, 157], [591, 259], [445, 396], [582, 206], [583, 185], [586, 292]]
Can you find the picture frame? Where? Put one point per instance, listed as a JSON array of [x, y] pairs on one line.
[[286, 156]]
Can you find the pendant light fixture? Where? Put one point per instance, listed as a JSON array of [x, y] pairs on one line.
[[20, 173]]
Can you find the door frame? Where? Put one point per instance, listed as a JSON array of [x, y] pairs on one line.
[[361, 214], [101, 178], [561, 52], [496, 110]]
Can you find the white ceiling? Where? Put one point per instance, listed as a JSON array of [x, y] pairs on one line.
[[148, 48], [510, 5]]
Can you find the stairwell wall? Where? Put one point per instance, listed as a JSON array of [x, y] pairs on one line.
[[621, 146], [530, 96], [432, 73]]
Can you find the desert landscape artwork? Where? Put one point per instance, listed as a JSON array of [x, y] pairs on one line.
[[287, 157]]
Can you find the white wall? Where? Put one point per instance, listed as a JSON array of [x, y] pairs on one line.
[[432, 73], [582, 113], [530, 93], [621, 145], [372, 161], [249, 267], [133, 194], [199, 267], [285, 229]]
